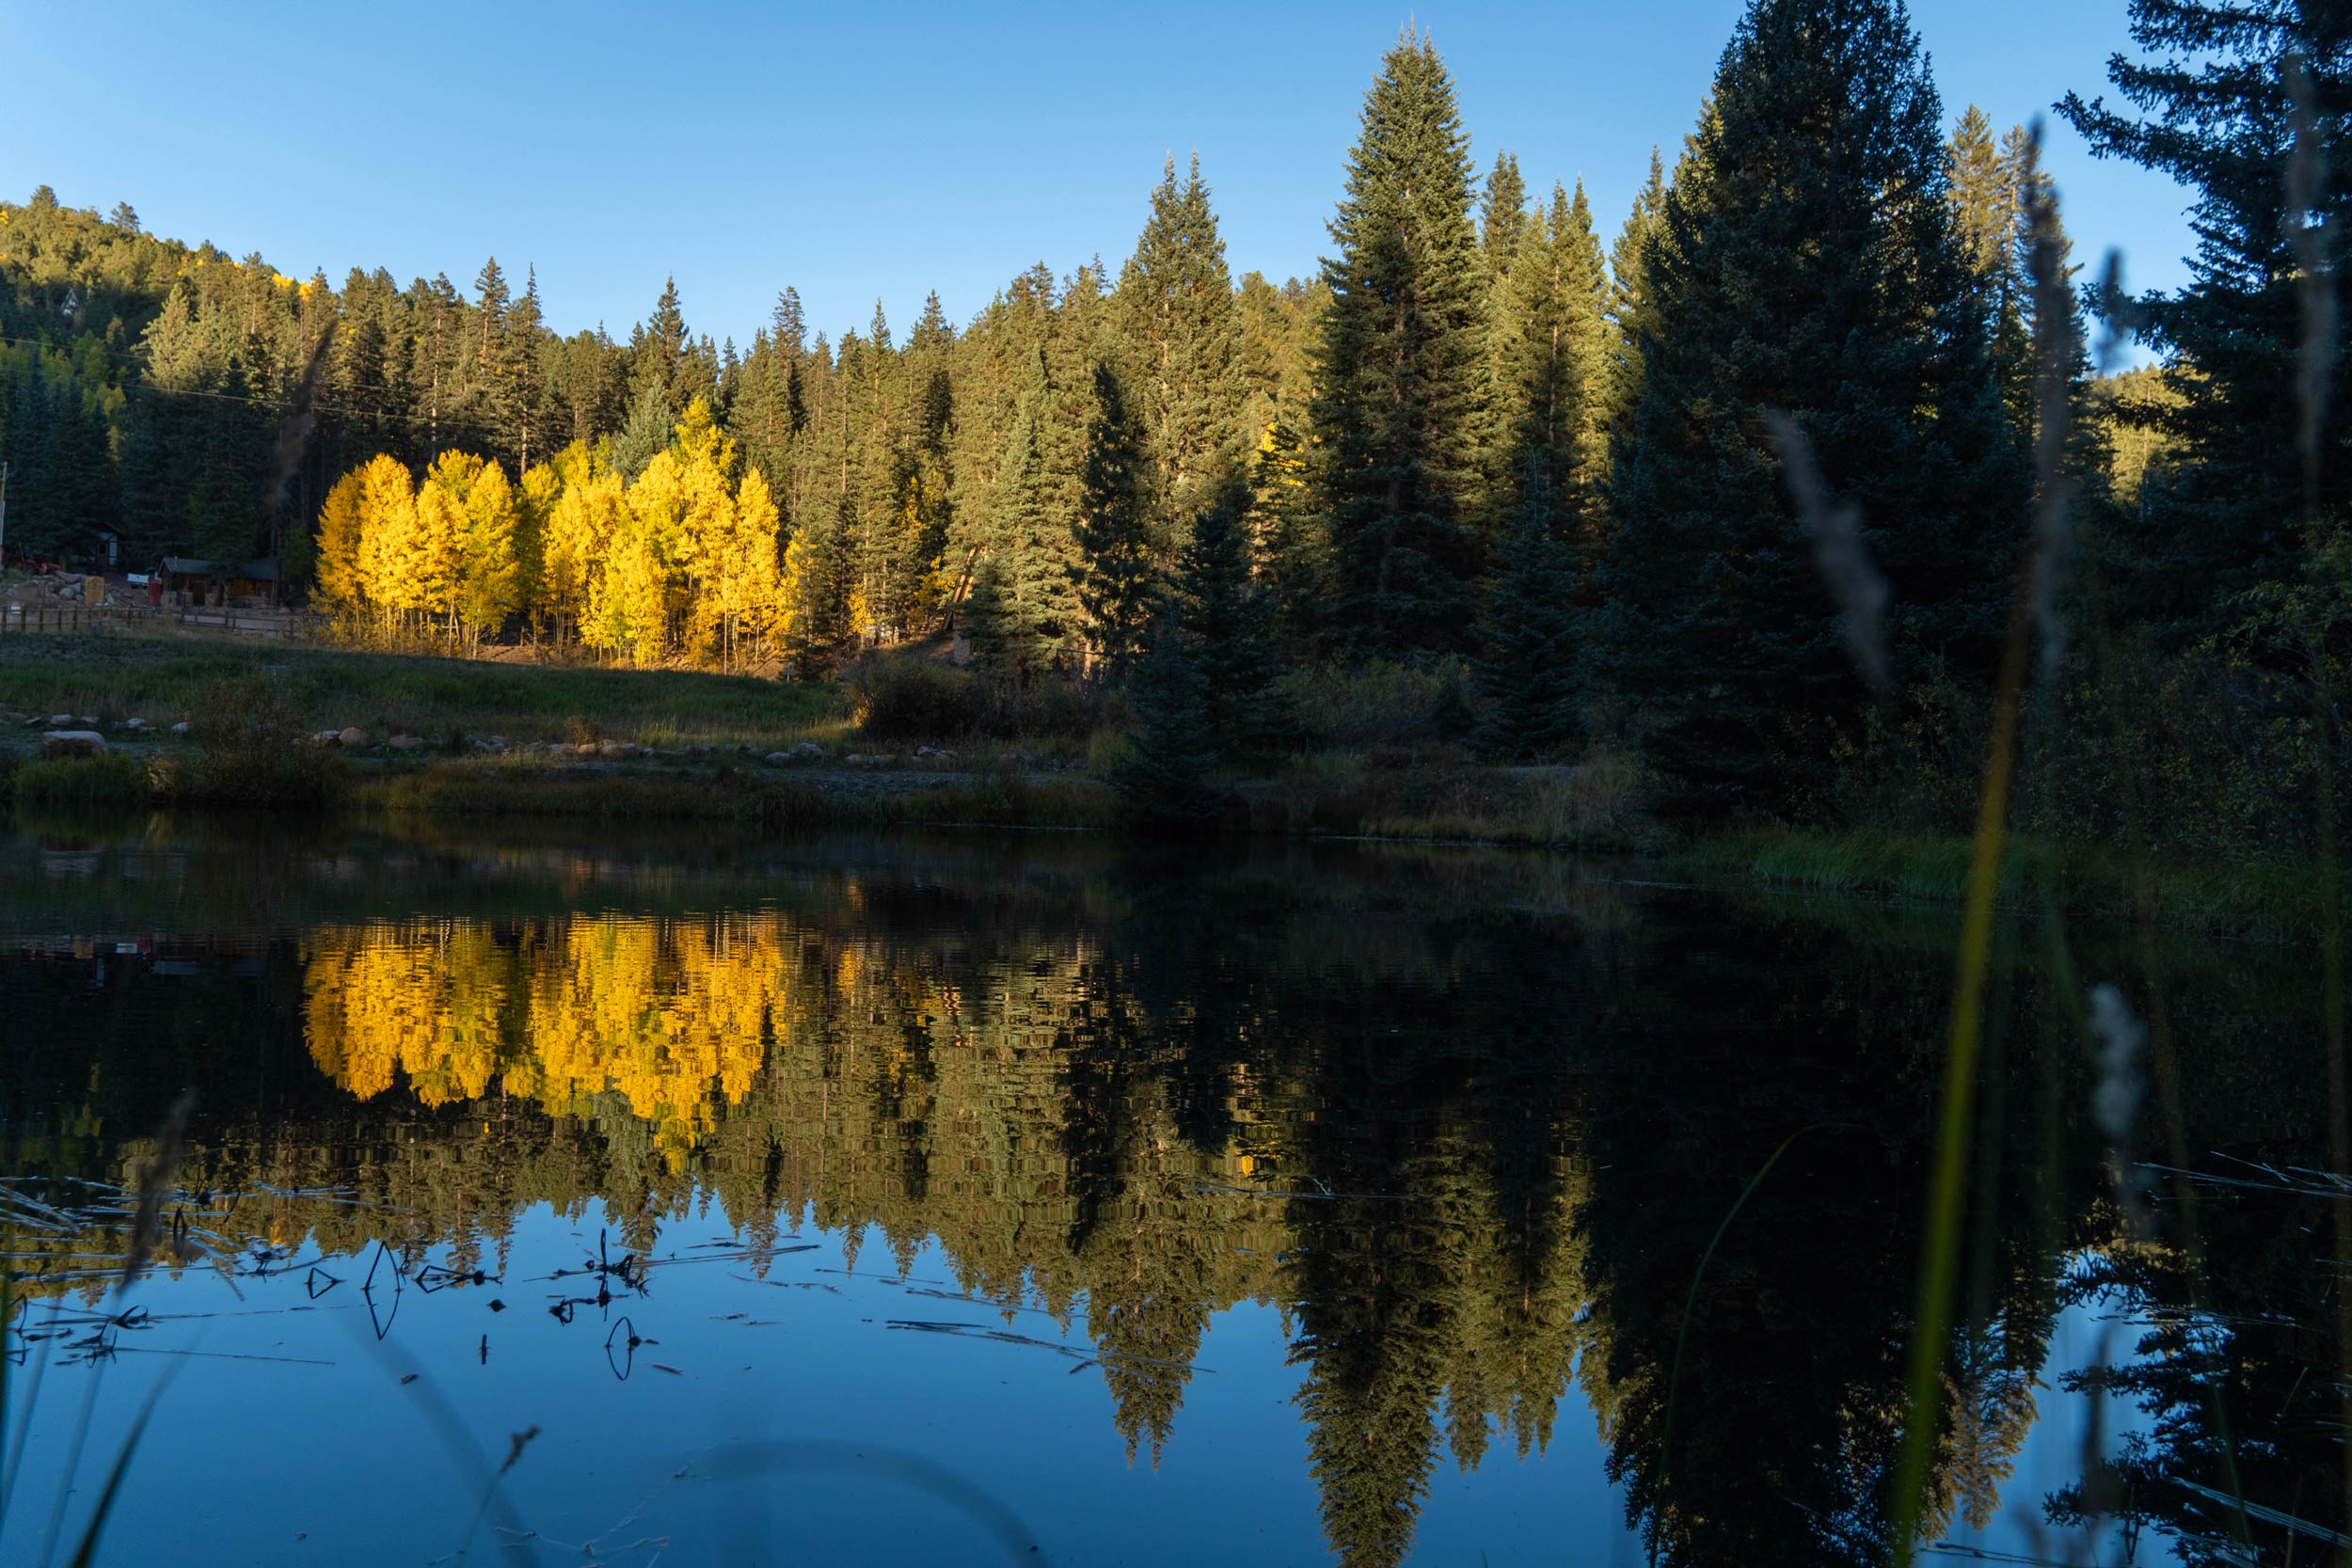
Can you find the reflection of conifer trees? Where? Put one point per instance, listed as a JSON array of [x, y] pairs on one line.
[[2231, 1345], [1790, 1404]]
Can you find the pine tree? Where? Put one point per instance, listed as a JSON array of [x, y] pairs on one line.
[[1119, 583], [1553, 386], [1182, 333], [1164, 778], [1526, 667], [659, 351], [1983, 188], [1227, 619], [2215, 110], [1024, 607], [652, 422], [1502, 219], [527, 366], [1288, 533], [1402, 394], [1633, 306], [1804, 263]]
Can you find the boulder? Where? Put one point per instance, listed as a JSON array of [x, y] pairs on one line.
[[87, 722], [324, 737], [353, 736], [74, 743], [855, 759], [180, 728], [135, 723], [808, 750], [777, 759], [407, 743], [61, 721]]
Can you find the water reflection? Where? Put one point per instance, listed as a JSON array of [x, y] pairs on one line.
[[1470, 1127]]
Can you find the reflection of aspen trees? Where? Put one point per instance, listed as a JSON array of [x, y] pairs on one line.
[[665, 1016]]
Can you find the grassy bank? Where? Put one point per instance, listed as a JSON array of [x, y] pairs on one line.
[[2263, 898], [728, 794], [165, 679]]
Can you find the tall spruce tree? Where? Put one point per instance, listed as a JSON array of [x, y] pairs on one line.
[[1221, 605], [1806, 263], [1525, 671], [1401, 401], [1552, 392], [1023, 606], [1181, 328], [1166, 777], [1633, 312], [2214, 109], [1119, 582]]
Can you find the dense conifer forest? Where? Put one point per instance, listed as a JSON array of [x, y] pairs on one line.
[[1747, 487]]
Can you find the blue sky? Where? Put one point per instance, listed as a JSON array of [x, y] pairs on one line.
[[884, 150]]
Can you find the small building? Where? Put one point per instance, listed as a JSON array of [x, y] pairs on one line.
[[219, 583]]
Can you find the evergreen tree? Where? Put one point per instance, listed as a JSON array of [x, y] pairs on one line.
[[651, 422], [1164, 778], [1226, 621], [1023, 606], [1289, 535], [1983, 188], [1553, 384], [2215, 110], [1113, 532], [1804, 263], [1525, 672], [1503, 220], [1632, 308], [1183, 331], [1401, 401], [659, 352]]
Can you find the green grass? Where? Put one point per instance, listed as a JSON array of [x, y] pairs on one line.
[[111, 783], [164, 679], [2267, 898]]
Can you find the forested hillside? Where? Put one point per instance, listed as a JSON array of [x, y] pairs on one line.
[[1748, 477]]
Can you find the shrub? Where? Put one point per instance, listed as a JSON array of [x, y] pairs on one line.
[[1047, 709], [912, 698], [908, 698], [1378, 705], [253, 750]]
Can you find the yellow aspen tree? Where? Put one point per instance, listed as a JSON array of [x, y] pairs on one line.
[[797, 603], [745, 583], [438, 543], [489, 573], [340, 586], [588, 506], [628, 600], [705, 534], [534, 503], [696, 437], [388, 526]]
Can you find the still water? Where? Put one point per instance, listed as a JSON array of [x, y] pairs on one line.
[[574, 1195]]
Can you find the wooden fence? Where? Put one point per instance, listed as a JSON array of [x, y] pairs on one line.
[[67, 618]]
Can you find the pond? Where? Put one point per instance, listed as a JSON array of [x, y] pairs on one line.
[[565, 1193]]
